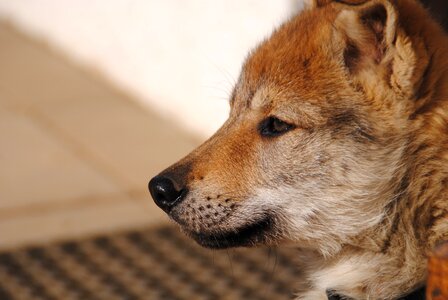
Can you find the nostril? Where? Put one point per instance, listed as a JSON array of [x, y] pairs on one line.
[[164, 192], [160, 196]]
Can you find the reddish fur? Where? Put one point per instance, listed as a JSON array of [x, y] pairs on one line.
[[368, 98]]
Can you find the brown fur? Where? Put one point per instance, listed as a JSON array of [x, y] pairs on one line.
[[360, 183]]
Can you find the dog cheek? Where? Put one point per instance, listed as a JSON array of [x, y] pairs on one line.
[[295, 161]]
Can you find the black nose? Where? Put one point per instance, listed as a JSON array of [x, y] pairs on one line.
[[164, 192]]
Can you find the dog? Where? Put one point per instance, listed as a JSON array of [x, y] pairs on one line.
[[336, 144]]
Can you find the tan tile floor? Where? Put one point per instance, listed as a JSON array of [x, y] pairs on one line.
[[75, 153]]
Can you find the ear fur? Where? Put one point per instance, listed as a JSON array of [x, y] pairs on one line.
[[310, 4], [374, 47], [370, 31]]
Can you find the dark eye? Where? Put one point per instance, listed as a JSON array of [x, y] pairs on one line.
[[272, 126]]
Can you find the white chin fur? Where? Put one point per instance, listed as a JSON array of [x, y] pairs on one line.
[[320, 221]]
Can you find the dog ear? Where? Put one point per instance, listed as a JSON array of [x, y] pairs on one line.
[[320, 3], [310, 4], [369, 29]]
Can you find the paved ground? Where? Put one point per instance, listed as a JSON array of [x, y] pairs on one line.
[[75, 153]]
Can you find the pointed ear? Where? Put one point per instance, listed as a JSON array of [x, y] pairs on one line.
[[370, 30], [319, 3], [310, 4]]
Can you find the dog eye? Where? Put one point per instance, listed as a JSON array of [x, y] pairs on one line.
[[273, 126]]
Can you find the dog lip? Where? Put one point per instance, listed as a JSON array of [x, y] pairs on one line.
[[246, 236]]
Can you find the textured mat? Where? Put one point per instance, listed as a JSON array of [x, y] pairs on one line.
[[150, 264]]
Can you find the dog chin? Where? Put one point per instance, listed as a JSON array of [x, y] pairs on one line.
[[252, 234]]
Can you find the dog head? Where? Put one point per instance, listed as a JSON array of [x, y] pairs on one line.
[[312, 150]]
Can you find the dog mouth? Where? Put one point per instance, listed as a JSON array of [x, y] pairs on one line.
[[246, 236]]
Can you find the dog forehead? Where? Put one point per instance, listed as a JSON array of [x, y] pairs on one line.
[[296, 59], [269, 97], [262, 98]]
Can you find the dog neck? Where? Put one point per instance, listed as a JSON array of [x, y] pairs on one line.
[[416, 295]]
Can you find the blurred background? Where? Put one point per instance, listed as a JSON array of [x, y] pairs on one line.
[[96, 97]]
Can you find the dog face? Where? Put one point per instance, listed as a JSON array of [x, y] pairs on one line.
[[312, 151]]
